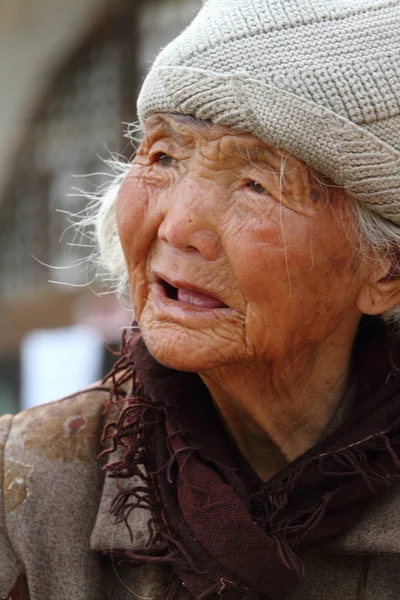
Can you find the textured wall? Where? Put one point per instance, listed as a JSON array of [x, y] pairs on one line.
[[35, 38]]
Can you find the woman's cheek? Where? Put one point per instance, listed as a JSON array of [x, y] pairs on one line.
[[255, 249], [136, 213]]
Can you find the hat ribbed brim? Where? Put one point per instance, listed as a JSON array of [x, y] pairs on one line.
[[353, 157]]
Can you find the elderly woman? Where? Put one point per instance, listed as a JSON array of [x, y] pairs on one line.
[[251, 427]]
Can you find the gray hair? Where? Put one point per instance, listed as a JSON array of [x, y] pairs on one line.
[[379, 238]]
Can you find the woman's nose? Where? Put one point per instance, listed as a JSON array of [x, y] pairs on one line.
[[189, 222]]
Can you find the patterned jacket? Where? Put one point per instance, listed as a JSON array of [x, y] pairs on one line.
[[55, 524]]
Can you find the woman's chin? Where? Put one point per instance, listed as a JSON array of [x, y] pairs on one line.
[[191, 342], [182, 351]]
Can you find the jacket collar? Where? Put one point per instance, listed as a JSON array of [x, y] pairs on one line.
[[107, 532], [377, 532]]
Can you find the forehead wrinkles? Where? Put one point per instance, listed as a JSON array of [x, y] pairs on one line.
[[251, 150], [237, 151], [216, 152], [219, 146]]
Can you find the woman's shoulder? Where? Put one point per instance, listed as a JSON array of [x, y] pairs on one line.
[[59, 438], [65, 431], [49, 474], [377, 531], [56, 430]]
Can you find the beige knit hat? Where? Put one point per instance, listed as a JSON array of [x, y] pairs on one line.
[[318, 78]]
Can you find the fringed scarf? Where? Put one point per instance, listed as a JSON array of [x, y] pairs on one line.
[[222, 531]]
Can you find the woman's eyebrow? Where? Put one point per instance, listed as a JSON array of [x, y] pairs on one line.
[[257, 155], [159, 124], [166, 131]]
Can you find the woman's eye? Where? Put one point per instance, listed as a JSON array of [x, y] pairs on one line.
[[165, 160], [257, 187]]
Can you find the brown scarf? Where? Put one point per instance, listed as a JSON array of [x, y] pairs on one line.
[[222, 531]]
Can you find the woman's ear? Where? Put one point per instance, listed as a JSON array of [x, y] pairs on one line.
[[380, 292]]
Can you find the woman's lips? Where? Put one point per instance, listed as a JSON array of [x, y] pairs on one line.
[[198, 299], [186, 293]]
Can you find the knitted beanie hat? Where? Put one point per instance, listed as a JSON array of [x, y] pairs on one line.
[[318, 78]]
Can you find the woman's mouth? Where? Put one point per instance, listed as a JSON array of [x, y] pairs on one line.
[[189, 295], [199, 299]]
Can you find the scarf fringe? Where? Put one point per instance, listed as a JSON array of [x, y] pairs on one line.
[[351, 462], [131, 430]]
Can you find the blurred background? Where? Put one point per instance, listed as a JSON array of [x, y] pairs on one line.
[[69, 77]]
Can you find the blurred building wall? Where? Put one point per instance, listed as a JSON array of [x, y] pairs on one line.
[[35, 38], [69, 74]]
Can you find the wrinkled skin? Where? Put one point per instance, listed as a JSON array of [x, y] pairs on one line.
[[206, 207]]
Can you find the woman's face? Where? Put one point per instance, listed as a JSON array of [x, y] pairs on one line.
[[234, 253]]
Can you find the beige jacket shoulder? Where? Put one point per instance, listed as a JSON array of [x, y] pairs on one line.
[[55, 524]]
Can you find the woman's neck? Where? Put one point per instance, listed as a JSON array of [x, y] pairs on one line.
[[275, 412]]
